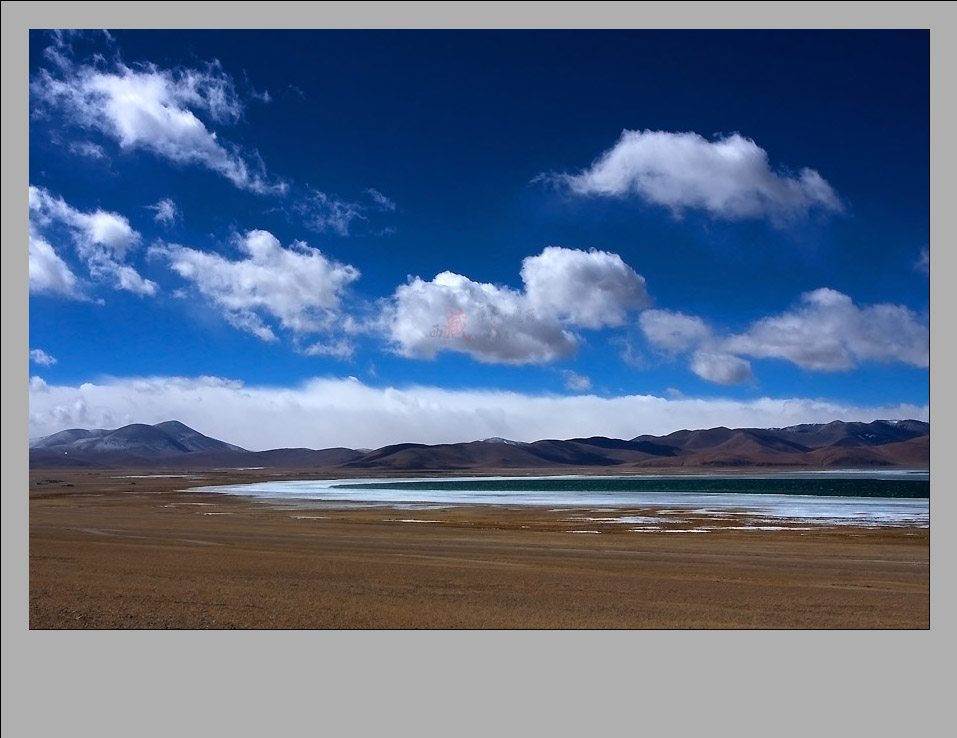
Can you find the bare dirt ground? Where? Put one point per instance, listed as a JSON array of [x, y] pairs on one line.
[[110, 550]]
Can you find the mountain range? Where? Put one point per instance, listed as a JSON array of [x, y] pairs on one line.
[[881, 443]]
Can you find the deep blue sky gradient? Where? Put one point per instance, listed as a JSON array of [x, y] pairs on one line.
[[453, 127]]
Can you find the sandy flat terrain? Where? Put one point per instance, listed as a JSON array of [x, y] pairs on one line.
[[110, 549]]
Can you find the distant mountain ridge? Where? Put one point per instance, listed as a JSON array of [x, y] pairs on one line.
[[163, 439], [881, 443]]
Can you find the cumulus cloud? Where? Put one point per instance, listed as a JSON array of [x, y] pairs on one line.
[[178, 114], [260, 417], [591, 289], [110, 231], [673, 332], [828, 332], [488, 322], [923, 263], [564, 289], [721, 368], [729, 178], [37, 385], [156, 110], [41, 357], [297, 286], [165, 212], [102, 241], [48, 272]]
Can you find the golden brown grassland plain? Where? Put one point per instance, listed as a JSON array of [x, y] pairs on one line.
[[111, 549]]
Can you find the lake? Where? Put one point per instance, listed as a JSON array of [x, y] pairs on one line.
[[760, 501]]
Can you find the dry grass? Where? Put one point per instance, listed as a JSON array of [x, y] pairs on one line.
[[119, 553]]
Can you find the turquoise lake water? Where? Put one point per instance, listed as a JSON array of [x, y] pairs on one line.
[[865, 498]]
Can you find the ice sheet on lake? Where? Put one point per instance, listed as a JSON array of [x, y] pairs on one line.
[[769, 509]]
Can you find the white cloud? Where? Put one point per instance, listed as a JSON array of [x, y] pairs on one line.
[[591, 289], [41, 357], [37, 385], [729, 178], [490, 323], [575, 381], [828, 332], [109, 231], [156, 110], [48, 272], [673, 332], [721, 368], [923, 263], [298, 285], [166, 212], [362, 416], [564, 289], [102, 240]]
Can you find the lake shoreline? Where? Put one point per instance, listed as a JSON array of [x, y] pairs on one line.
[[111, 552]]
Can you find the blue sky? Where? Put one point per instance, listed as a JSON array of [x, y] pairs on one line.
[[323, 238]]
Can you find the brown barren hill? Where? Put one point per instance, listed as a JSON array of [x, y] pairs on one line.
[[832, 445]]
